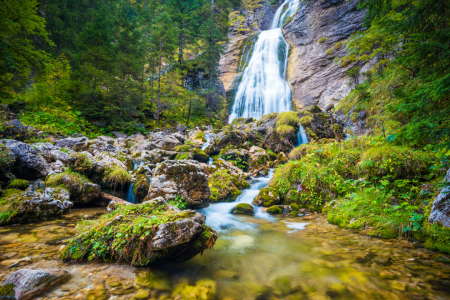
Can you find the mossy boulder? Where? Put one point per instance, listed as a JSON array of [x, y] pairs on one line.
[[81, 162], [267, 196], [258, 158], [244, 209], [188, 151], [19, 184], [225, 187], [142, 234], [183, 178], [184, 156], [81, 189], [319, 125], [239, 157], [140, 188], [275, 209], [17, 206]]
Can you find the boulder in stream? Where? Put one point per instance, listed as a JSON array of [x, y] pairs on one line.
[[244, 209], [142, 234], [181, 178], [27, 284]]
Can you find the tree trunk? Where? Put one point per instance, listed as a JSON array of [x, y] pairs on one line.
[[158, 104]]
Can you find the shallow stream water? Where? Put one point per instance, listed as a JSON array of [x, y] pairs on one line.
[[280, 258]]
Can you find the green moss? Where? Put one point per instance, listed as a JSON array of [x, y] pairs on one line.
[[5, 157], [7, 291], [19, 184], [294, 206], [72, 180], [243, 208], [323, 39], [9, 204], [337, 46], [274, 210], [140, 188], [200, 136], [117, 176], [345, 61], [285, 130], [224, 186], [80, 163], [125, 235], [329, 52]]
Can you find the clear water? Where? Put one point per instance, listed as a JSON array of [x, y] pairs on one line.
[[130, 193], [283, 258], [263, 88]]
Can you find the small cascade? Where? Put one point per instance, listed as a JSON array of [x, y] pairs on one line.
[[208, 137], [219, 216], [130, 193], [302, 138]]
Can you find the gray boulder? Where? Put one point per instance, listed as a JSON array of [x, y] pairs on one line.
[[21, 131], [183, 177], [440, 212], [29, 283], [71, 142], [44, 204], [28, 164], [168, 143]]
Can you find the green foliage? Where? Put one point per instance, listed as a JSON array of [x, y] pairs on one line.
[[9, 203], [286, 122], [407, 88], [224, 186], [329, 52], [178, 201], [5, 158], [80, 163]]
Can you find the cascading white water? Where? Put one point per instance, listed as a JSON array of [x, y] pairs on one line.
[[208, 137], [219, 216], [302, 138], [263, 88]]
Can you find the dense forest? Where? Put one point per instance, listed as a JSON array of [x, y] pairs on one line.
[[97, 66]]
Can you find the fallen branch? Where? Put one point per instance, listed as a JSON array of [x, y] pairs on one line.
[[113, 198], [255, 172]]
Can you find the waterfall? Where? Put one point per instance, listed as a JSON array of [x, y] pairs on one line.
[[130, 193], [263, 88], [302, 138], [208, 137]]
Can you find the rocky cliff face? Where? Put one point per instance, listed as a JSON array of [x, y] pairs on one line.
[[313, 73], [244, 23]]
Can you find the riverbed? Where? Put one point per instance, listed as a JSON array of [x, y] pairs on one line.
[[279, 258]]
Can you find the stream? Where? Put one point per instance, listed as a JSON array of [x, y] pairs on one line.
[[256, 258]]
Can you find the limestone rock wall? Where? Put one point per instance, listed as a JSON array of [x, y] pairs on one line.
[[314, 76]]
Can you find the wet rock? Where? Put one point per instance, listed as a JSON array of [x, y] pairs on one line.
[[142, 294], [29, 283], [319, 125], [168, 142], [204, 289], [185, 178], [365, 257], [29, 207], [21, 262], [98, 293], [221, 163], [440, 213], [258, 158], [383, 259], [244, 209], [28, 164], [169, 233]]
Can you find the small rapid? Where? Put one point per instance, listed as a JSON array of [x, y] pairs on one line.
[[219, 216]]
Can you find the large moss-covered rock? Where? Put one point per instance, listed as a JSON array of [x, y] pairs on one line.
[[183, 178], [440, 212], [244, 209], [142, 234], [25, 207], [189, 151], [140, 188], [239, 157], [267, 196], [224, 186], [81, 189], [258, 158], [319, 125]]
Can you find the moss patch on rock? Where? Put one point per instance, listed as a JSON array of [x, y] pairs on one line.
[[19, 184], [243, 208], [224, 186], [141, 234]]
